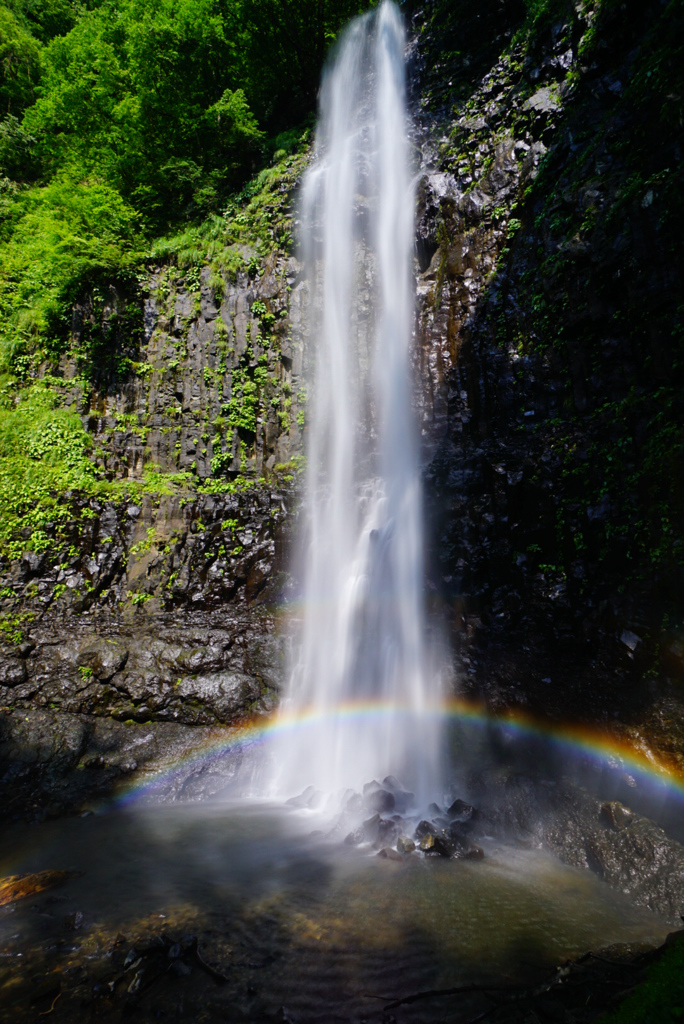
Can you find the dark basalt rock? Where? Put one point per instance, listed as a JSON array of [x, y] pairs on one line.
[[639, 859], [12, 672], [355, 837], [616, 815], [388, 831], [461, 811], [403, 799], [433, 845], [423, 828], [371, 828], [379, 800]]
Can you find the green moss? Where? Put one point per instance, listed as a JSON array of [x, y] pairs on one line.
[[13, 625]]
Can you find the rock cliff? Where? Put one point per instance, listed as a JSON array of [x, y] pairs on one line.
[[548, 345]]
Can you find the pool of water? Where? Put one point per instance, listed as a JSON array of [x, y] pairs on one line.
[[290, 918]]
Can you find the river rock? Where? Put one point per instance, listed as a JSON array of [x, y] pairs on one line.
[[379, 800], [423, 828], [460, 811], [435, 846], [387, 853], [387, 831], [371, 828], [405, 845], [403, 799]]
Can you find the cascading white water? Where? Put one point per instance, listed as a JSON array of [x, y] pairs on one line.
[[361, 669]]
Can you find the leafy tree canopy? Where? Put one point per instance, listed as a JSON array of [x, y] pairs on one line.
[[120, 120]]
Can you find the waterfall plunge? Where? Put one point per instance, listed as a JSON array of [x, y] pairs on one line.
[[361, 670]]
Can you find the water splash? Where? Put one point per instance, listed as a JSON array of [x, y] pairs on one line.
[[363, 628]]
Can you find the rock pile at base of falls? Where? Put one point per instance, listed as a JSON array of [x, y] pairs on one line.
[[395, 827], [626, 850]]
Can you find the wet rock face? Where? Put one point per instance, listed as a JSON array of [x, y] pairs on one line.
[[160, 615], [157, 609], [54, 763], [523, 343], [213, 672], [627, 851], [171, 551], [183, 403]]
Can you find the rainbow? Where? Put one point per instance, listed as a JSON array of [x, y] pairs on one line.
[[567, 739]]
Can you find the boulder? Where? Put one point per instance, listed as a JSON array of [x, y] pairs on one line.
[[379, 800], [460, 811], [615, 815], [387, 853], [434, 846], [423, 828]]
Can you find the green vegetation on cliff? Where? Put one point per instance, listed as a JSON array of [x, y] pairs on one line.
[[123, 121], [133, 134]]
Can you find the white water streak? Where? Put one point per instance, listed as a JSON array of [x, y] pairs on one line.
[[363, 627]]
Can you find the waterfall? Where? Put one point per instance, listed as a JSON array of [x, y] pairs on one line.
[[361, 669]]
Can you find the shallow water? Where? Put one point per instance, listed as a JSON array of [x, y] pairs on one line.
[[299, 920]]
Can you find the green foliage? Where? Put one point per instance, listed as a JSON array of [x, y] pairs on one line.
[[43, 451], [660, 998], [12, 626], [127, 118], [285, 43], [20, 64], [46, 19], [139, 94], [129, 131], [60, 238]]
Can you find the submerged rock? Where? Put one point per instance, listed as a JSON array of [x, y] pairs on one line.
[[17, 887]]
